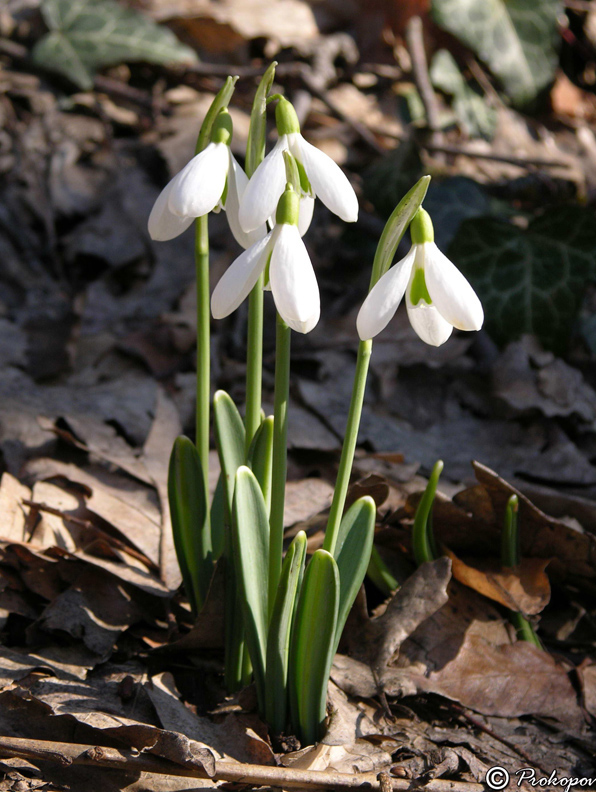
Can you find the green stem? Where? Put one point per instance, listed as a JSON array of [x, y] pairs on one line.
[[349, 446], [254, 362], [423, 543], [524, 629], [203, 408], [283, 336]]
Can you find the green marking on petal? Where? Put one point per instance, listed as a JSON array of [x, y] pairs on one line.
[[418, 290]]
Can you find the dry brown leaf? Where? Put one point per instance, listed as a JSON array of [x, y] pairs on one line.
[[525, 589], [587, 677], [13, 513], [508, 681], [306, 498]]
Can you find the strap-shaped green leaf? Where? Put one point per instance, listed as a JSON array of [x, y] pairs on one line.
[[313, 645], [229, 431], [352, 554], [423, 540], [255, 144], [250, 534], [235, 647], [188, 510], [380, 574], [260, 458], [218, 519], [280, 628]]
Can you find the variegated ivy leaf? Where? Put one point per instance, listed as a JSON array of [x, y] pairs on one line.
[[86, 35], [529, 281], [517, 39]]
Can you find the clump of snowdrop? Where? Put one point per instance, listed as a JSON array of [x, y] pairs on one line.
[[211, 181], [291, 276], [438, 297], [320, 176]]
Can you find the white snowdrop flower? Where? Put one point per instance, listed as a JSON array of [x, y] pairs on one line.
[[322, 177], [211, 180], [438, 297], [291, 275]]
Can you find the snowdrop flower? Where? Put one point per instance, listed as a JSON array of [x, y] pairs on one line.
[[291, 275], [321, 176], [211, 180], [438, 297]]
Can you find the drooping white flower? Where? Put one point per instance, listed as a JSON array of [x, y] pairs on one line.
[[291, 275], [200, 188], [323, 177], [438, 297]]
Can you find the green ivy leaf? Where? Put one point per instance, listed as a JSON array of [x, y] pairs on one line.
[[529, 281], [86, 35], [472, 111], [515, 38]]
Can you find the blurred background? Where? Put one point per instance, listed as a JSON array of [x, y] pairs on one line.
[[100, 104]]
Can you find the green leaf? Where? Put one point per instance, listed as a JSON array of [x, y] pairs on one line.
[[476, 117], [280, 627], [423, 541], [352, 554], [229, 431], [380, 574], [516, 39], [188, 510], [235, 647], [313, 645], [86, 35], [396, 226], [257, 131], [260, 458], [251, 561], [529, 281], [218, 519]]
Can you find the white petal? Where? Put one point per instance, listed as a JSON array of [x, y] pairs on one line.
[[453, 296], [428, 322], [307, 205], [328, 181], [293, 281], [237, 182], [162, 224], [239, 279], [264, 188], [384, 298], [200, 184]]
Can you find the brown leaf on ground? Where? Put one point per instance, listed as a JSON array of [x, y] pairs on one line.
[[14, 514], [508, 681], [525, 589], [587, 678], [306, 498]]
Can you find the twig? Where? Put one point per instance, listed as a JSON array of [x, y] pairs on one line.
[[415, 42], [360, 129], [235, 772]]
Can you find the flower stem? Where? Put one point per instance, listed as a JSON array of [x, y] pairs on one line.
[[254, 362], [283, 336], [349, 446], [203, 352]]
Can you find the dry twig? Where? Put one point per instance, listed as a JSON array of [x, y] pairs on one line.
[[235, 772]]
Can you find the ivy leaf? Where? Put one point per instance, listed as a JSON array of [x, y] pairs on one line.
[[473, 114], [529, 281], [516, 39], [86, 35]]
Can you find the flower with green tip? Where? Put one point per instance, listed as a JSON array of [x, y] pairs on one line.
[[212, 180], [291, 276], [438, 297], [321, 176]]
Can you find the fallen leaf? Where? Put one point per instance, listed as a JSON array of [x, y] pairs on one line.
[[14, 514], [525, 589]]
